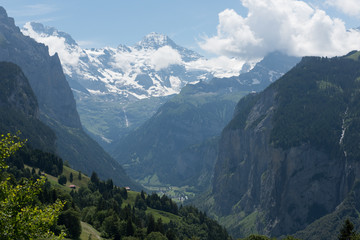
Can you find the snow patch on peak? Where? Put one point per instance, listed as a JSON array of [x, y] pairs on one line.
[[155, 67], [155, 41]]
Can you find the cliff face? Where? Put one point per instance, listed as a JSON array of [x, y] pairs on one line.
[[16, 91], [57, 107], [44, 72], [287, 157], [19, 109]]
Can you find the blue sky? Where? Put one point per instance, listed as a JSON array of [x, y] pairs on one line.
[[114, 22], [187, 22]]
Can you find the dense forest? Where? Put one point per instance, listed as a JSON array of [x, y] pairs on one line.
[[112, 210]]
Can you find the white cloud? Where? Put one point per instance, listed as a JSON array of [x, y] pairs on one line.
[[164, 57], [221, 66], [350, 7], [124, 61], [69, 55], [290, 26]]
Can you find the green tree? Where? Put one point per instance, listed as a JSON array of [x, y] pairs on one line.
[[95, 179], [140, 203], [62, 180], [71, 178], [347, 231], [257, 237], [9, 144], [111, 226], [21, 217], [129, 227], [171, 235], [290, 238], [71, 219], [155, 236], [151, 224], [159, 226], [79, 176]]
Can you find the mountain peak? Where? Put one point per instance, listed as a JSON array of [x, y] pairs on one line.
[[5, 19], [3, 13], [49, 31], [155, 40]]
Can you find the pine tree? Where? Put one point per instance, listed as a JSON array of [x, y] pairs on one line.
[[151, 224], [71, 178], [159, 226], [62, 180], [129, 227], [347, 231]]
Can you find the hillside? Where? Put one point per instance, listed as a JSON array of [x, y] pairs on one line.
[[289, 155], [114, 212], [183, 121]]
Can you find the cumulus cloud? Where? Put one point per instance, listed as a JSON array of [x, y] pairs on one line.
[[69, 55], [350, 7], [290, 26], [164, 57]]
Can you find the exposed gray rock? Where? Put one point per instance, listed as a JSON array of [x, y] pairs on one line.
[[281, 190], [56, 103]]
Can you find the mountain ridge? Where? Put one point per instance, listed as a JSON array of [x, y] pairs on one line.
[[115, 70], [57, 107], [19, 110], [121, 79], [288, 158]]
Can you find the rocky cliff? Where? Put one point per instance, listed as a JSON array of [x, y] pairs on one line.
[[288, 157], [19, 109], [56, 102], [44, 72]]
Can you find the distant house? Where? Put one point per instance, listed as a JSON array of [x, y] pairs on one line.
[[127, 188], [72, 186]]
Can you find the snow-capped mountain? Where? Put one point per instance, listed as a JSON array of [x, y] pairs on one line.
[[153, 67], [117, 89]]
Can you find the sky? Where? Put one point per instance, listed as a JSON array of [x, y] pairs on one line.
[[246, 29]]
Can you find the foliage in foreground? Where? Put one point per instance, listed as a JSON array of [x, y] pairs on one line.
[[22, 216]]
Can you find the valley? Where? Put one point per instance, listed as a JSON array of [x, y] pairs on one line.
[[152, 140]]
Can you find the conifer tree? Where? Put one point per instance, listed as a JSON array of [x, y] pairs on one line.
[[347, 231], [129, 228], [151, 224]]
